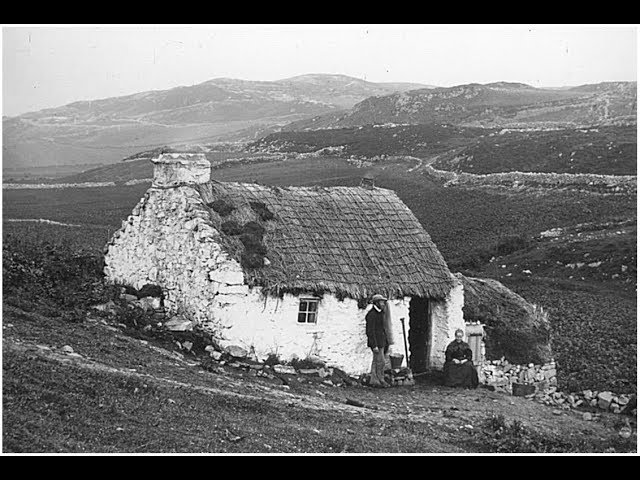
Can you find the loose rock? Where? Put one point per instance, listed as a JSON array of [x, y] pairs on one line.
[[179, 324]]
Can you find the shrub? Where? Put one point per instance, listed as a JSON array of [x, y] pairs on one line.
[[54, 276]]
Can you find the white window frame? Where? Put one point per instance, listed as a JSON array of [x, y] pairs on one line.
[[308, 300]]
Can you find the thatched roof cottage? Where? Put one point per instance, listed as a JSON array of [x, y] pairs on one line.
[[287, 270]]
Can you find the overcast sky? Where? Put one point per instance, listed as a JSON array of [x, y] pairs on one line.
[[52, 66]]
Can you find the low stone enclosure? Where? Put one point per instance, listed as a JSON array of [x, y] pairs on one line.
[[603, 184]]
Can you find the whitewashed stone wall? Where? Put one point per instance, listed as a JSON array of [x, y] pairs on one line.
[[446, 318], [269, 326]]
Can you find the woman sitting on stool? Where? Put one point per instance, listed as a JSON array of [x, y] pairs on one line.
[[458, 367]]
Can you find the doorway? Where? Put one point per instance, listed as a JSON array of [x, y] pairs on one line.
[[419, 334]]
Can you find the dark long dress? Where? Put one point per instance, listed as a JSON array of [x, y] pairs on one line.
[[459, 375]]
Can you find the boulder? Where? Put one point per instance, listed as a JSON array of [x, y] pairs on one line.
[[587, 417], [284, 369], [179, 324], [236, 351], [149, 303], [604, 400]]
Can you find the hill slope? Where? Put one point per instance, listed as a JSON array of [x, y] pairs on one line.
[[491, 105], [107, 130]]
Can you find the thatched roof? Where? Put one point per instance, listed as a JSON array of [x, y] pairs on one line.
[[515, 329], [350, 241]]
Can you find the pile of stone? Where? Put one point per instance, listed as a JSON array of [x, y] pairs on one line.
[[605, 400], [503, 375]]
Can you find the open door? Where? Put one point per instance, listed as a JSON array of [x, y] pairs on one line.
[[419, 334]]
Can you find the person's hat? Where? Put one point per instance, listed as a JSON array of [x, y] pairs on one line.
[[377, 297]]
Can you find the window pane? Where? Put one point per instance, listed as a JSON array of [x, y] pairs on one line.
[[303, 306], [302, 317], [311, 318], [313, 306]]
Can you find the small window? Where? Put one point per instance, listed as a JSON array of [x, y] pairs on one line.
[[308, 312]]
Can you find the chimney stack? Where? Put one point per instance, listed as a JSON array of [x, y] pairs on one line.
[[367, 181], [177, 169]]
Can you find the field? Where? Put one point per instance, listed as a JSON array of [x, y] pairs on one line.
[[369, 140], [126, 391], [468, 226], [77, 380], [606, 150], [609, 150]]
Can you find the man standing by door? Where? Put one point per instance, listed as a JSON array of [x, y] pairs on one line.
[[377, 340]]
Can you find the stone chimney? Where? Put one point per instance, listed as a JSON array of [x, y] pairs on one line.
[[367, 181], [176, 169]]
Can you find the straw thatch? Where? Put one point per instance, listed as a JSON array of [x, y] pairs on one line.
[[350, 241], [515, 329]]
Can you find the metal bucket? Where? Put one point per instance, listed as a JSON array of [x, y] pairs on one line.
[[396, 360]]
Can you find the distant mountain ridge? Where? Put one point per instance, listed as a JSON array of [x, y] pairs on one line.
[[491, 105], [107, 130]]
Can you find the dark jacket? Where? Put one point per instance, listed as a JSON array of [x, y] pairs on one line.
[[459, 351], [376, 335]]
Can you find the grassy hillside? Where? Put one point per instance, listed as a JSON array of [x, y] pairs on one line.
[[585, 276], [369, 141], [491, 105], [468, 226], [107, 130], [77, 380], [608, 150], [458, 220]]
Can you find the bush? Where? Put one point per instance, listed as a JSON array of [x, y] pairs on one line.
[[53, 273]]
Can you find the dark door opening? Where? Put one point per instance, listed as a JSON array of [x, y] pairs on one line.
[[419, 334]]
